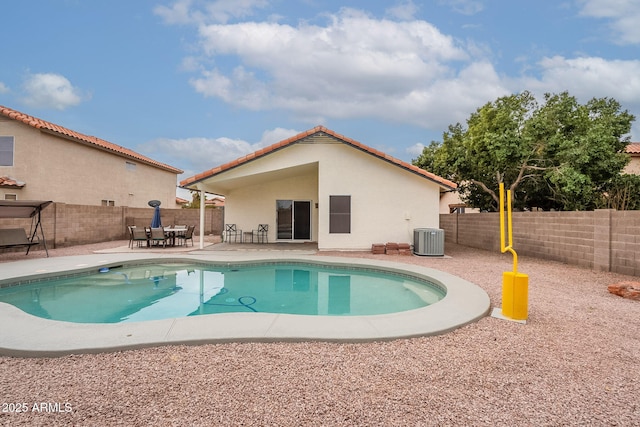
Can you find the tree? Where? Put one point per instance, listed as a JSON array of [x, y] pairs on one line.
[[556, 155], [621, 193], [195, 200]]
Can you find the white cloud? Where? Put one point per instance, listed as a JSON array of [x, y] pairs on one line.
[[199, 154], [415, 150], [358, 66], [270, 137], [404, 11], [241, 88], [589, 77], [225, 10], [624, 16], [355, 66], [220, 11], [586, 78], [3, 88], [464, 7], [49, 90], [178, 13]]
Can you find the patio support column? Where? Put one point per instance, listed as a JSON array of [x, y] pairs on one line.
[[202, 205]]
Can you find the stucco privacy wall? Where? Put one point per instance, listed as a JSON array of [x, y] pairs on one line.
[[69, 225], [605, 240], [55, 168], [315, 169]]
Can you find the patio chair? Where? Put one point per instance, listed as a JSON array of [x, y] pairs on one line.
[[232, 231], [139, 235], [130, 230], [157, 236], [188, 235], [262, 232]]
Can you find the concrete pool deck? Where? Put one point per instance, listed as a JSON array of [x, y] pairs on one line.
[[26, 335]]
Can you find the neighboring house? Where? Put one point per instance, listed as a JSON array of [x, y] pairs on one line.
[[211, 202], [182, 202], [450, 202], [40, 160], [633, 149], [324, 187], [215, 201]]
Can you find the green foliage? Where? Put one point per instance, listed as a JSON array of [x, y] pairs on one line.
[[556, 155], [622, 192], [195, 201]]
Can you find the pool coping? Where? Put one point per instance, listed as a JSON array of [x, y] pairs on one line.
[[25, 335]]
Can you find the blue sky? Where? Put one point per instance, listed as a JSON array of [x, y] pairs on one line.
[[197, 83]]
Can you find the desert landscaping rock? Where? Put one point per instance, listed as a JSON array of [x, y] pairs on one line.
[[630, 290], [573, 363]]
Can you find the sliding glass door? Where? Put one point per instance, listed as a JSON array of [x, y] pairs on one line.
[[302, 220], [284, 218], [294, 219]]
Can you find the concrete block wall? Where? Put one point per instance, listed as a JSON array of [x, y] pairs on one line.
[[69, 225], [77, 224], [560, 236], [479, 230], [605, 240], [214, 218], [449, 223], [625, 242]]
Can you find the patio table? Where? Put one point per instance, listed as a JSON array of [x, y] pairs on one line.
[[172, 231]]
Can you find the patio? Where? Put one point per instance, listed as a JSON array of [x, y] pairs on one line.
[[309, 247]]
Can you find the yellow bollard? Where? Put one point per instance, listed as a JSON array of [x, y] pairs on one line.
[[515, 286], [515, 295]]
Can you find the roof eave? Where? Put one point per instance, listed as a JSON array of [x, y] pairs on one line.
[[442, 182]]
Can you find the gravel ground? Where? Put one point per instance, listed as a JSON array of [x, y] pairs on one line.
[[575, 362]]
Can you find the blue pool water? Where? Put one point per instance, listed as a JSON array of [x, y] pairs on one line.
[[160, 291]]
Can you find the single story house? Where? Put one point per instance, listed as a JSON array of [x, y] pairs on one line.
[[323, 187], [40, 160], [633, 150]]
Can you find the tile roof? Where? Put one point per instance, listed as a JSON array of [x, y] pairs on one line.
[[292, 140], [93, 141], [633, 148], [7, 181]]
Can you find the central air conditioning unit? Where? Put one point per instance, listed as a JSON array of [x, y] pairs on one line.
[[428, 241]]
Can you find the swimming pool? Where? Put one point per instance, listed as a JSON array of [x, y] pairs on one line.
[[31, 336], [169, 290]]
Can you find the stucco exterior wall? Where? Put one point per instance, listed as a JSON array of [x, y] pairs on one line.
[[387, 202], [69, 172], [633, 166]]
